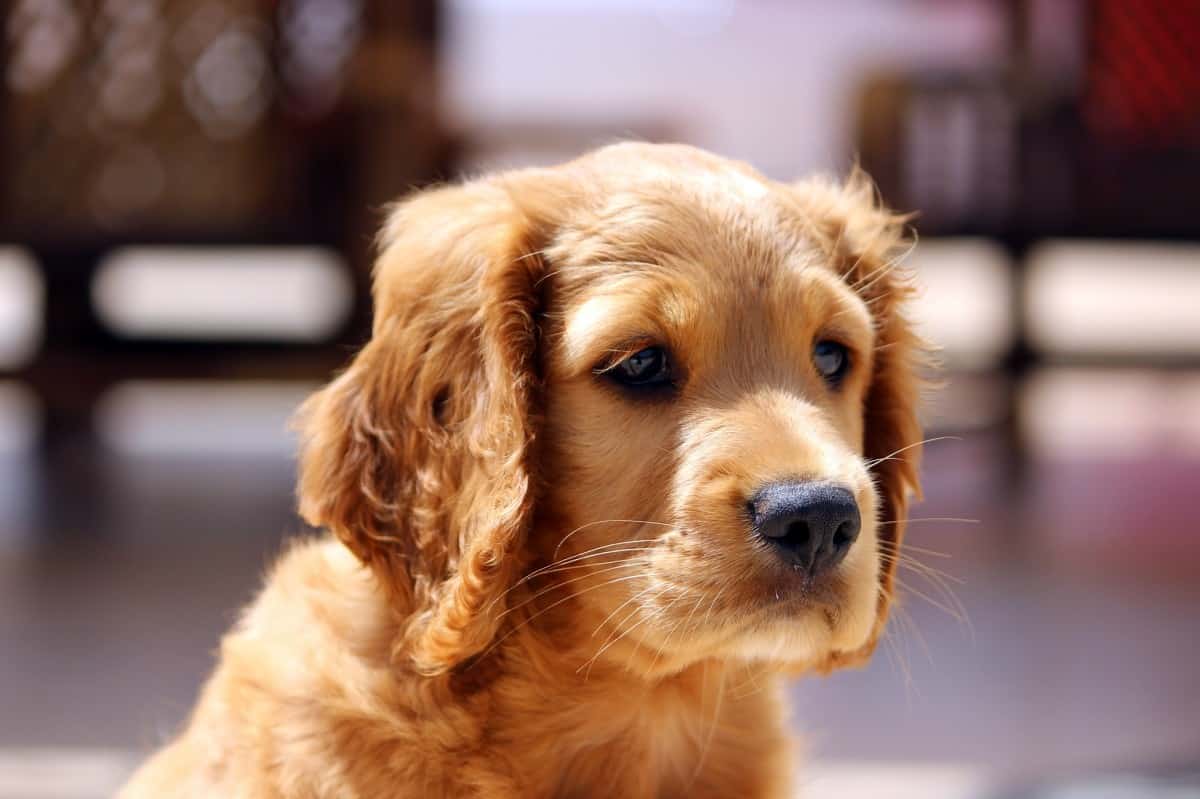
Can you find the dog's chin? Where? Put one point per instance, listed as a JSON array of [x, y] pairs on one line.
[[793, 634], [773, 615], [808, 639], [807, 631]]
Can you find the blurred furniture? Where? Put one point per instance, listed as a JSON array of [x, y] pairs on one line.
[[203, 122], [1090, 130]]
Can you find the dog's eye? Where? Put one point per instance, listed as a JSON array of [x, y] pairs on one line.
[[649, 367], [831, 360]]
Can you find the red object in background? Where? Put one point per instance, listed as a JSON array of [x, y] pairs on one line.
[[1143, 72]]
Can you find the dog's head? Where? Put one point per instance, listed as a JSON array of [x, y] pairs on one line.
[[683, 394]]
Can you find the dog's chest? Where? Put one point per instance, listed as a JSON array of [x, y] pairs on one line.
[[628, 746]]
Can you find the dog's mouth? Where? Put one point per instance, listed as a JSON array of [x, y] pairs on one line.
[[717, 591], [797, 600], [806, 594], [731, 607], [792, 616]]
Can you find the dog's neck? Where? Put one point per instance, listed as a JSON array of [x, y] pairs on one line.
[[588, 712], [558, 635]]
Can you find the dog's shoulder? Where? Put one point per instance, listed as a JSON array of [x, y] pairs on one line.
[[317, 596], [304, 679], [321, 621]]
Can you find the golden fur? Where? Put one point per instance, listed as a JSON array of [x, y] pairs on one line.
[[535, 585]]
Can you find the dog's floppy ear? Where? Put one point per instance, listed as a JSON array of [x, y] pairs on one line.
[[867, 242], [418, 457]]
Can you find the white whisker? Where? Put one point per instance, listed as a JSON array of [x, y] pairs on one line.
[[605, 521], [871, 464]]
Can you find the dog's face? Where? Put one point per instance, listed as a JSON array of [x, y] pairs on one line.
[[680, 395], [705, 379]]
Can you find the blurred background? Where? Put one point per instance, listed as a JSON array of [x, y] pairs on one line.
[[188, 191]]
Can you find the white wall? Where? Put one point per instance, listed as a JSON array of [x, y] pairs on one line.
[[769, 81]]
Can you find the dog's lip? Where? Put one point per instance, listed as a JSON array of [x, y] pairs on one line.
[[787, 609], [793, 579], [800, 593]]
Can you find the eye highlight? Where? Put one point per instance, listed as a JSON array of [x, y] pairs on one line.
[[832, 361], [648, 368]]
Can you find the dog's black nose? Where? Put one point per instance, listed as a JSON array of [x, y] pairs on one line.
[[812, 525]]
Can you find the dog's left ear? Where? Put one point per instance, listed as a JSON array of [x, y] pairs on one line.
[[419, 457], [866, 243]]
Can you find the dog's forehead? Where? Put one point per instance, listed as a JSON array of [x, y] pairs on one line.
[[686, 245], [723, 223]]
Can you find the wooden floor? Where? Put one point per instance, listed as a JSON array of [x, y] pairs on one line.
[[1080, 646]]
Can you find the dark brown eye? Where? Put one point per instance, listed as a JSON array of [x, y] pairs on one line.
[[831, 360], [646, 368]]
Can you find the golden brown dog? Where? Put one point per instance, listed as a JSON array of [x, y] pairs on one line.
[[632, 437]]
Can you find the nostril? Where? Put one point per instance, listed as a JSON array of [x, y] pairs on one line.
[[797, 535], [844, 537]]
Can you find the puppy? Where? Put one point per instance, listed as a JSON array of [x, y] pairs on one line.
[[632, 437]]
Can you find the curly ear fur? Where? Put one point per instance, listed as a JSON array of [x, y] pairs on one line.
[[867, 242], [418, 456]]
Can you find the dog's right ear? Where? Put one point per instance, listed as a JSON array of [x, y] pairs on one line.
[[418, 456]]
